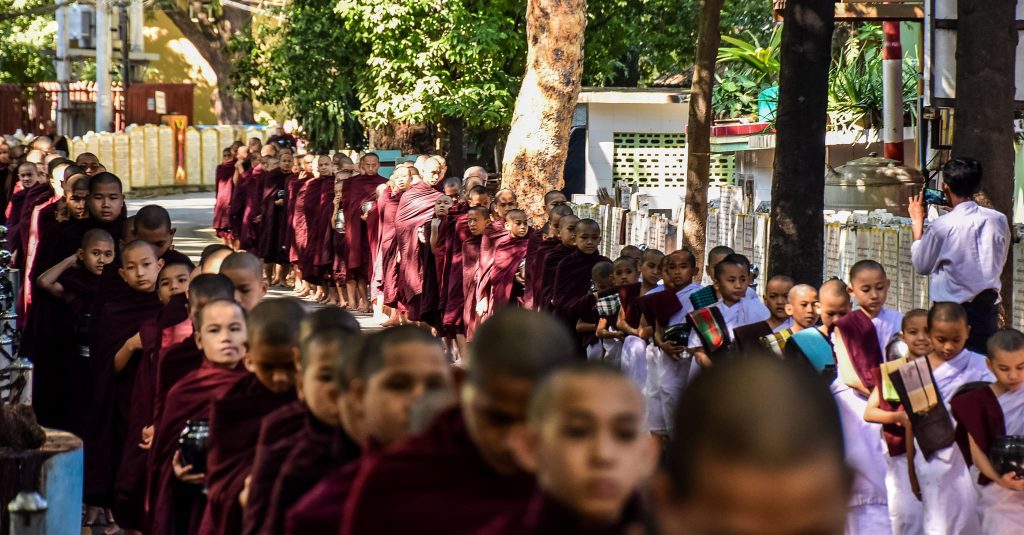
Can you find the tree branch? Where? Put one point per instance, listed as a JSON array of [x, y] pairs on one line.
[[207, 43]]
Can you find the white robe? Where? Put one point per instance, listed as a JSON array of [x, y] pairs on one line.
[[1002, 510], [947, 488], [673, 375], [865, 455], [743, 312]]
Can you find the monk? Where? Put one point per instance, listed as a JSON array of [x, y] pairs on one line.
[[358, 190], [246, 206], [463, 456], [376, 416], [544, 240], [415, 210], [504, 201], [478, 220], [763, 447], [345, 168], [572, 277], [301, 441], [36, 190], [272, 242], [114, 358], [323, 259], [246, 274], [501, 282], [458, 233], [176, 497], [153, 225], [299, 241], [273, 329], [552, 199], [567, 238], [390, 201], [221, 208], [585, 424], [244, 156]]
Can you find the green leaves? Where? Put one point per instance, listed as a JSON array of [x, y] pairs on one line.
[[27, 42]]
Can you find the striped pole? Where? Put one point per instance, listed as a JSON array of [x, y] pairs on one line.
[[892, 91]]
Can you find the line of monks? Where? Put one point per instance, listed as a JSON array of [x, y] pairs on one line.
[[619, 408]]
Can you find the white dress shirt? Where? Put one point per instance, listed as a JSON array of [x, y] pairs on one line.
[[964, 252]]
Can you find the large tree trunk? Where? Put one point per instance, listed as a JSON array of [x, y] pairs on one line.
[[211, 39], [406, 137], [795, 246], [986, 47], [538, 140], [455, 137], [698, 142]]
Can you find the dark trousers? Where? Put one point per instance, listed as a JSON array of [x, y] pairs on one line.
[[982, 315]]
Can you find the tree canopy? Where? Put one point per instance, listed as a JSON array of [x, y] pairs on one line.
[[27, 30]]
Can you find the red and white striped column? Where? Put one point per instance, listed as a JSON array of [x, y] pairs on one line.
[[892, 92]]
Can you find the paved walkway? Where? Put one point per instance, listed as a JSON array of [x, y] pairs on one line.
[[191, 215]]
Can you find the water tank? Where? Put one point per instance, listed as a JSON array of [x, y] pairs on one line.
[[872, 183]]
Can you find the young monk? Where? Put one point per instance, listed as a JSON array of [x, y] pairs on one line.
[[323, 259], [571, 413], [584, 312], [176, 497], [36, 190], [456, 231], [221, 209], [464, 456], [498, 286], [733, 309], [246, 273], [813, 347], [552, 199], [504, 200], [115, 343], [905, 510], [345, 168], [570, 282], [632, 251], [356, 191], [273, 329], [478, 219], [800, 307], [764, 447], [153, 225], [669, 368], [298, 236], [379, 416], [567, 246], [295, 448], [863, 335], [630, 320], [546, 239], [757, 335], [984, 414], [708, 295], [387, 267], [272, 242]]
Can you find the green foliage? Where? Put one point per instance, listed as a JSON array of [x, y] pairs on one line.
[[306, 61], [27, 41], [761, 61], [745, 69]]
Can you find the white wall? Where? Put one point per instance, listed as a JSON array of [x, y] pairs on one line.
[[605, 119]]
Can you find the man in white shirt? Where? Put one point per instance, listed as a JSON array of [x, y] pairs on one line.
[[964, 251]]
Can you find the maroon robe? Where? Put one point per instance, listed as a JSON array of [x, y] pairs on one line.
[[498, 280], [356, 191], [320, 510], [535, 249], [238, 205], [75, 368], [307, 193], [272, 242], [434, 482], [234, 429], [388, 267], [338, 271], [415, 209], [174, 363], [115, 320], [572, 282], [978, 415], [544, 515], [276, 439], [176, 507], [628, 296], [22, 205], [551, 260], [317, 449], [455, 298], [470, 263], [222, 205], [316, 234], [324, 259], [293, 186]]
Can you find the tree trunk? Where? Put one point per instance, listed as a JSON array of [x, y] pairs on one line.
[[538, 140], [985, 54], [408, 138], [455, 127], [698, 142], [795, 246]]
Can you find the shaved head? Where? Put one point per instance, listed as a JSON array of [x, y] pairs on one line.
[[833, 288], [243, 261], [372, 354], [276, 322], [152, 217], [209, 286], [518, 343], [330, 318], [136, 245], [802, 291], [546, 391]]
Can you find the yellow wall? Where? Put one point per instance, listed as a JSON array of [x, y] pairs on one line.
[[180, 62]]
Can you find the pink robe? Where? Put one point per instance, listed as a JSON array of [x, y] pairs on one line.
[[222, 206], [415, 209]]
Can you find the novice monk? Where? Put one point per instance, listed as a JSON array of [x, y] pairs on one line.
[[463, 457], [905, 510], [356, 191], [713, 326], [546, 240], [584, 312], [222, 205], [176, 498], [373, 413], [153, 224], [477, 218], [669, 369], [813, 347], [630, 320], [567, 246], [947, 492], [246, 273], [571, 282], [708, 295], [416, 209], [301, 441], [985, 414], [272, 242], [273, 330], [585, 424], [755, 336], [498, 285], [763, 453], [114, 341]]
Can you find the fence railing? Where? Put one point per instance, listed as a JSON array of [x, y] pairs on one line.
[[621, 227], [146, 156]]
